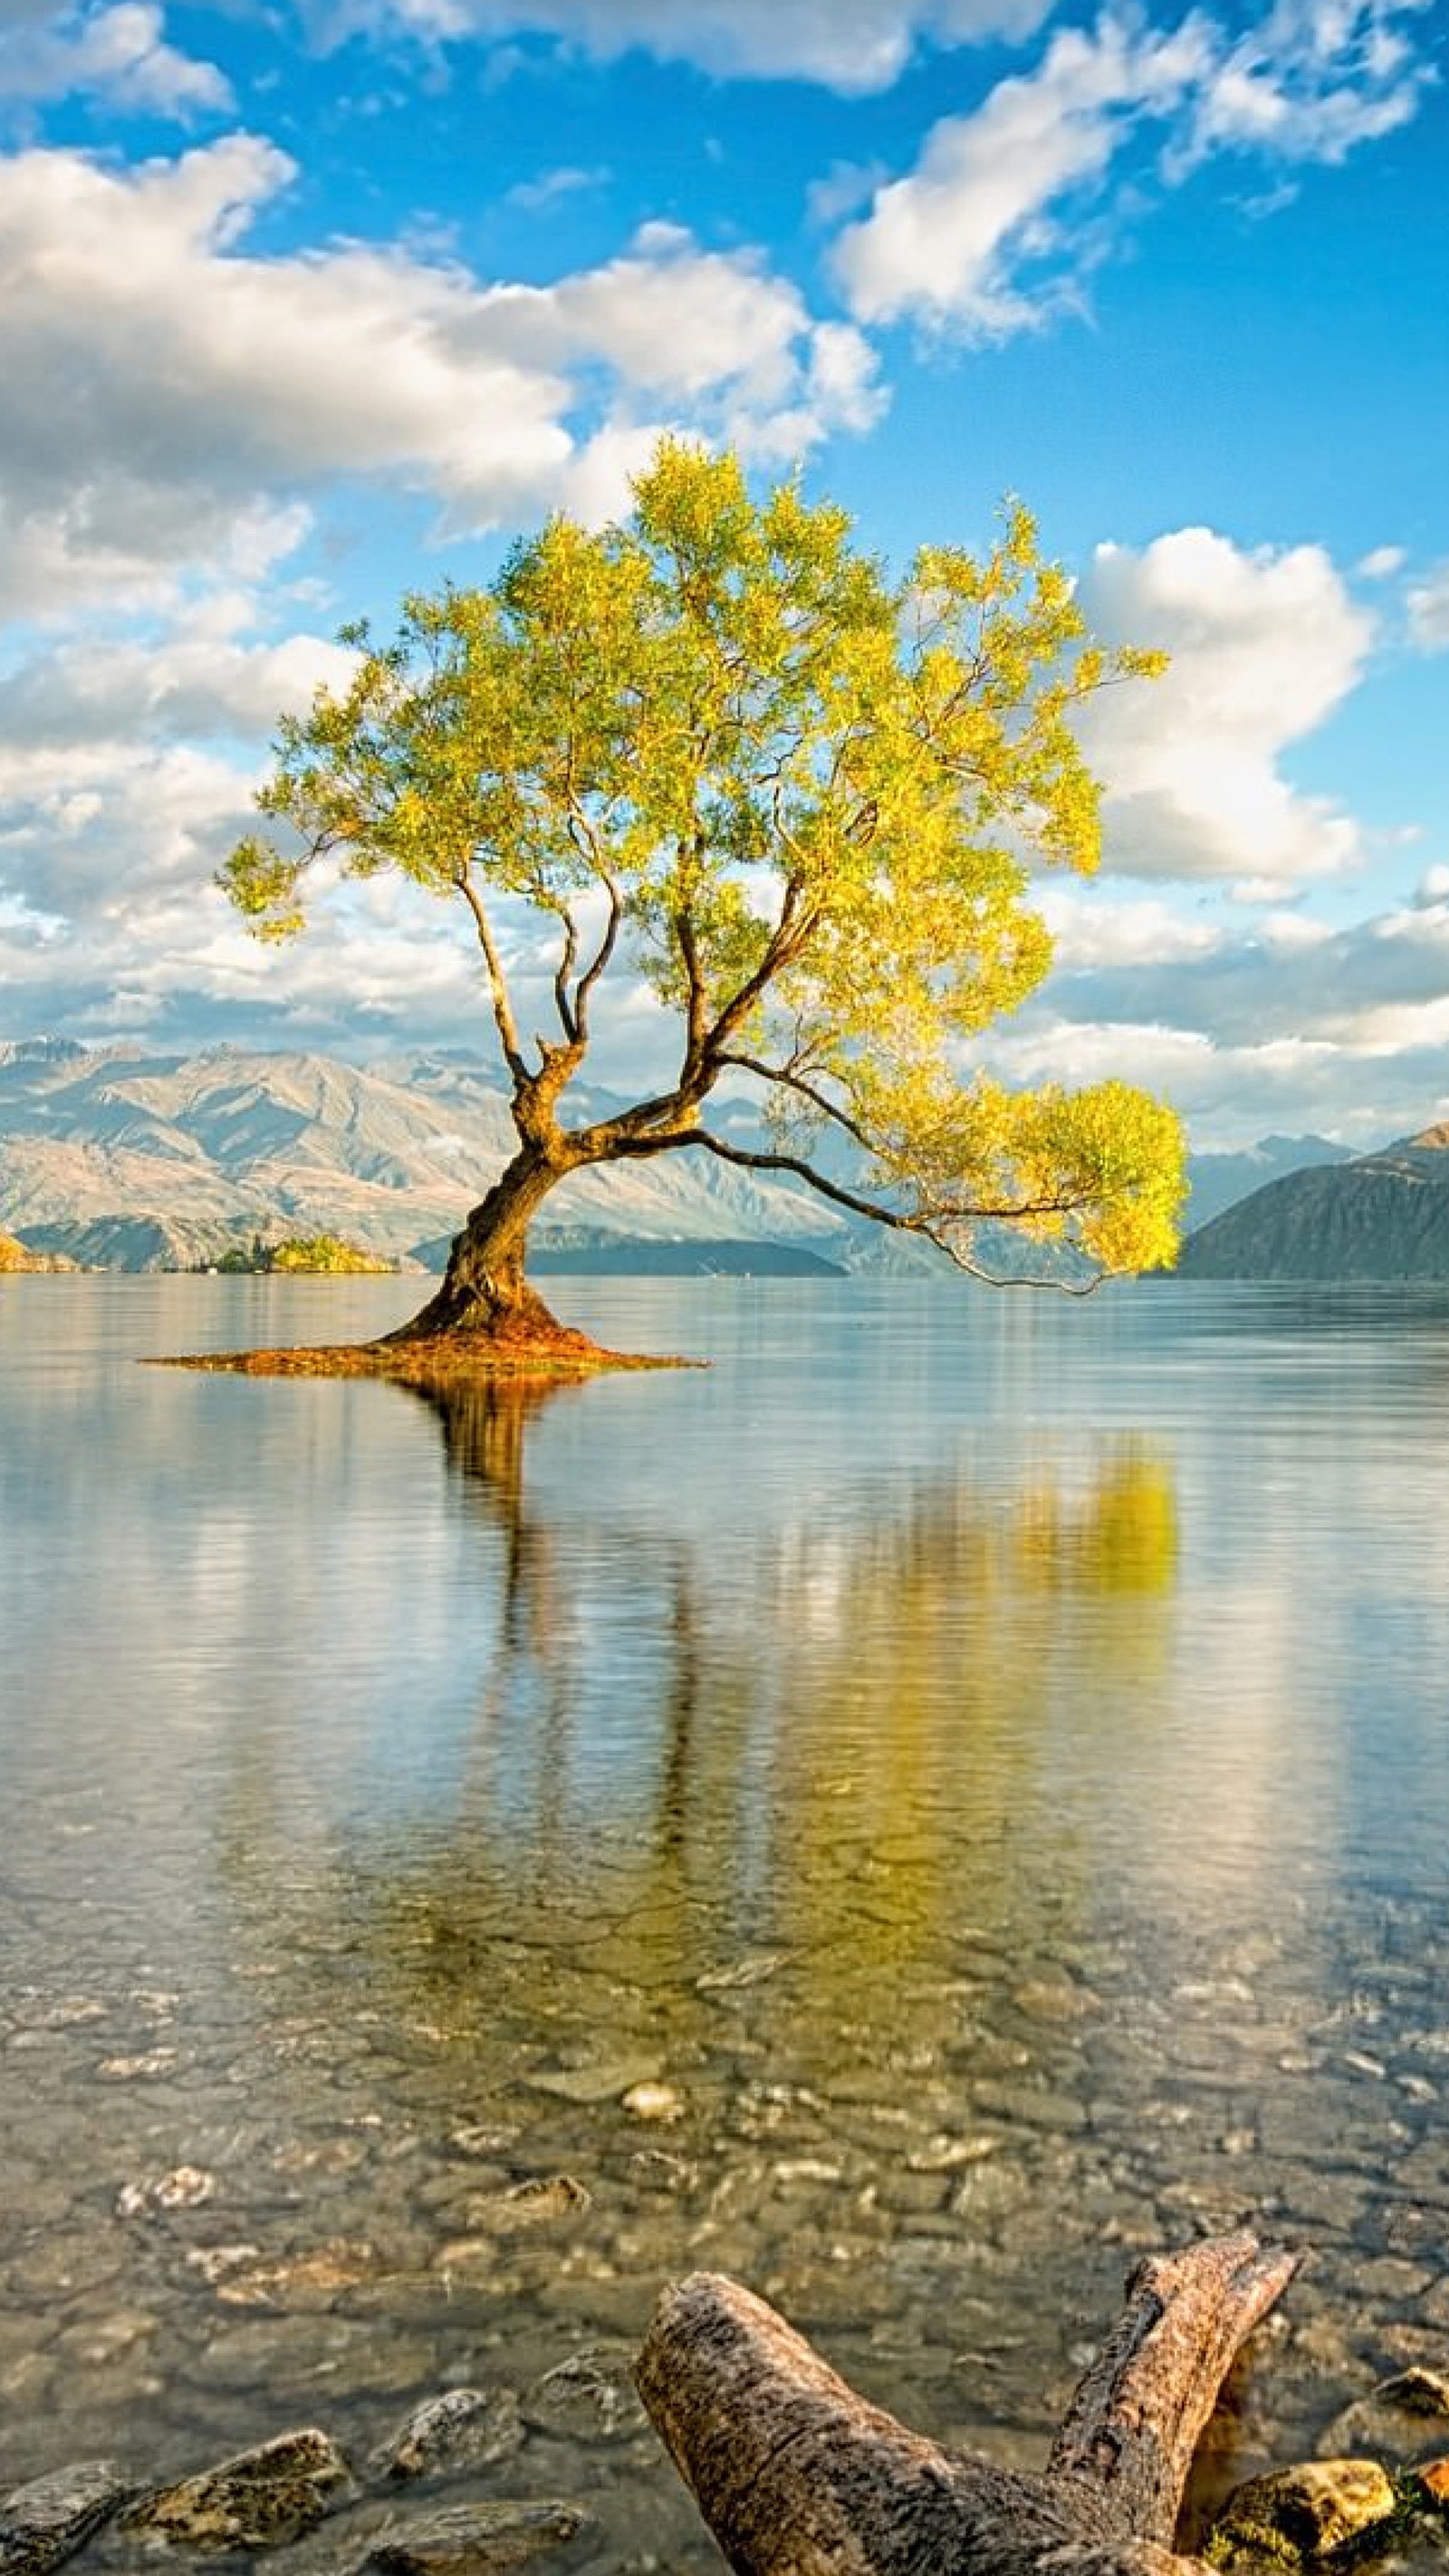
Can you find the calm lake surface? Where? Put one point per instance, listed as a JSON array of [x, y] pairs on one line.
[[986, 1755]]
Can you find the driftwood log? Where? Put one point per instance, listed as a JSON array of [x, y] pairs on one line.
[[797, 2476]]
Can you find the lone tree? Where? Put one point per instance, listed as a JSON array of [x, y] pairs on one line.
[[718, 748]]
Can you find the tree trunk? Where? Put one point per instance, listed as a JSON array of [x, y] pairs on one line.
[[485, 1296], [797, 2476]]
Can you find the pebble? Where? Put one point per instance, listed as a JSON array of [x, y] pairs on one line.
[[655, 2101], [185, 2187], [303, 2281], [745, 1973], [944, 2154], [540, 2202]]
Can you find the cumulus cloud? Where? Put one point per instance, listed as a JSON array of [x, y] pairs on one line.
[[119, 54], [853, 46], [984, 236], [1264, 645], [160, 380], [1284, 1024], [1380, 982], [126, 773]]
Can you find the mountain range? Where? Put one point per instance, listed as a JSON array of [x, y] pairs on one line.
[[124, 1159], [132, 1161]]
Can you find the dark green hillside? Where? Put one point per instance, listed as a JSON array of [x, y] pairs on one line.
[[1384, 1216]]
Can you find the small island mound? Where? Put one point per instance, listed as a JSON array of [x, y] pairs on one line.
[[434, 1360], [310, 1256]]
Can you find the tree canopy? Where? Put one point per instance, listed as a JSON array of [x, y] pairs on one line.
[[718, 746]]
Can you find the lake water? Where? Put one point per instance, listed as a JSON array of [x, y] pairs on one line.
[[985, 1755]]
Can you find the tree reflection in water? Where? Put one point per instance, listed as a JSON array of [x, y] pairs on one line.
[[843, 1745]]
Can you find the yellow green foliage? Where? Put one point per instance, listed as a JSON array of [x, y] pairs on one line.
[[314, 1252], [721, 746], [309, 1253]]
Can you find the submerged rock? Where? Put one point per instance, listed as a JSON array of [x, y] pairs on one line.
[[304, 2281], [1416, 2391], [52, 2517], [540, 2202], [185, 2187], [655, 2100], [591, 2394], [475, 2540], [1402, 2419], [260, 2499], [465, 2428], [1307, 2511]]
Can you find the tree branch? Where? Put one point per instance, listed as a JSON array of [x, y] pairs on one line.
[[1126, 2444], [633, 1142], [513, 1055], [791, 1081], [602, 954], [784, 945], [698, 1002], [567, 1009]]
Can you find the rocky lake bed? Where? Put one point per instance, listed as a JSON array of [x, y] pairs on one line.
[[911, 1825], [953, 2238]]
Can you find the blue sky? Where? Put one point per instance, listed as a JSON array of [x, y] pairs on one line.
[[304, 306]]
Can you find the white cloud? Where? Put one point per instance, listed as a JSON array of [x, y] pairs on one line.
[[951, 241], [1311, 81], [1428, 605], [1264, 647], [198, 683], [853, 46], [1091, 931], [118, 54], [986, 234], [1369, 985], [1284, 1020], [161, 382], [1381, 563], [554, 187]]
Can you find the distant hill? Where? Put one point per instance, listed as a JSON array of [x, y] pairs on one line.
[[1218, 1180], [1379, 1216]]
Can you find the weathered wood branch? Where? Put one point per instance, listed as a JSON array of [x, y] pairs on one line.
[[798, 2476]]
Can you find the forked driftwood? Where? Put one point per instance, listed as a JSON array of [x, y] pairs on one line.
[[797, 2476]]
